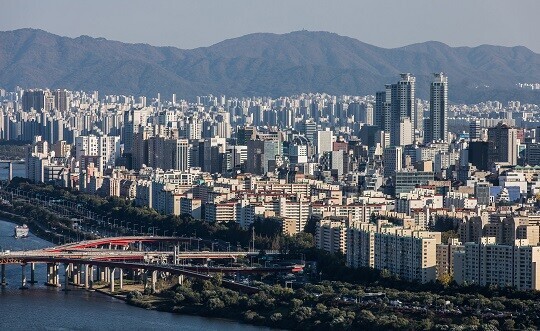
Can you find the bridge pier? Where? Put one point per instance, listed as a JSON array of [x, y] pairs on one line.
[[86, 278], [144, 278], [23, 277], [181, 280], [33, 273], [137, 276], [56, 275], [111, 276], [48, 280], [90, 282], [76, 274], [154, 279], [52, 275], [66, 277], [121, 279], [3, 276], [100, 274], [73, 273]]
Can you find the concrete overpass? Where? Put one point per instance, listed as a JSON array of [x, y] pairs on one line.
[[82, 259]]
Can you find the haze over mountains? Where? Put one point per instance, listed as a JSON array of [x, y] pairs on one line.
[[262, 64]]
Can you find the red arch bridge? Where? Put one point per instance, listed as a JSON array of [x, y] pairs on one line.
[[107, 259]]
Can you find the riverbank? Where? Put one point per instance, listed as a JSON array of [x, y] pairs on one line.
[[34, 228], [20, 220], [162, 303], [104, 302], [151, 301]]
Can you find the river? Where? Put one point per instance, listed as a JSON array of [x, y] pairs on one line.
[[44, 308]]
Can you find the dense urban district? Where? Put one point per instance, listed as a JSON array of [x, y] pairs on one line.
[[408, 213]]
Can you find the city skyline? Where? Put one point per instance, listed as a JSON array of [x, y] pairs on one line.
[[162, 23], [199, 158]]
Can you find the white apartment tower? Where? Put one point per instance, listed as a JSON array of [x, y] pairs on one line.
[[324, 141], [105, 147]]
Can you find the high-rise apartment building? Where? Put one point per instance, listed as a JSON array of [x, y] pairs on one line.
[[488, 263], [331, 235], [33, 99], [61, 100], [403, 105], [394, 105], [406, 253], [324, 141], [106, 148], [437, 129]]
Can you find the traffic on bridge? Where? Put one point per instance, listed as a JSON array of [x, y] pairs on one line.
[[145, 257]]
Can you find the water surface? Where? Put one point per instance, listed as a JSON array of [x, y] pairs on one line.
[[44, 308]]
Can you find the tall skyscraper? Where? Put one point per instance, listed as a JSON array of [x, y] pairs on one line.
[[437, 129], [400, 104], [176, 154], [419, 116], [378, 116], [502, 144], [309, 129], [475, 130], [393, 160], [245, 134]]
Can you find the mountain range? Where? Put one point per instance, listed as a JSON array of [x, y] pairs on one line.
[[262, 64]]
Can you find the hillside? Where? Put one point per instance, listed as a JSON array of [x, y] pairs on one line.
[[261, 64]]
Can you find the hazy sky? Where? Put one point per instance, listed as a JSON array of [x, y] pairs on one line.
[[189, 24]]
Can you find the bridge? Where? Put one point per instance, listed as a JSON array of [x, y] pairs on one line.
[[107, 260]]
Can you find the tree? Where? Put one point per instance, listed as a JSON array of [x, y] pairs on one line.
[[268, 227], [301, 314], [311, 225], [509, 325], [217, 280], [296, 303], [445, 279], [385, 273], [215, 303]]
